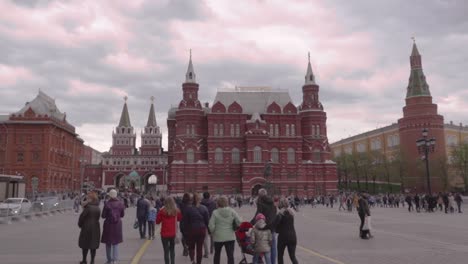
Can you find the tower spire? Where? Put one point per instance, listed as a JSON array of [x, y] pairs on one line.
[[125, 117], [190, 76], [152, 116], [417, 85], [309, 77]]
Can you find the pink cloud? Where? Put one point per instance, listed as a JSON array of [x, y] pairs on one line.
[[78, 87], [10, 75], [131, 63]]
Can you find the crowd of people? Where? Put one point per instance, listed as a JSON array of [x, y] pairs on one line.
[[202, 225]]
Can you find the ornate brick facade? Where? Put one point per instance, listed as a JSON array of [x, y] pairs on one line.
[[250, 136], [37, 141]]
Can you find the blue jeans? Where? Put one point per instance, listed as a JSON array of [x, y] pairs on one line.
[[266, 258], [112, 252], [273, 247]]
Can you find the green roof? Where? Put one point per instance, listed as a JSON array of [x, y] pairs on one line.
[[125, 118]]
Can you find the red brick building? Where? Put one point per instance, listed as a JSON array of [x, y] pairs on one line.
[[419, 113], [228, 147], [126, 167], [37, 141]]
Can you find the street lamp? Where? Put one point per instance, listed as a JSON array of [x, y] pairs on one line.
[[425, 146], [82, 163]]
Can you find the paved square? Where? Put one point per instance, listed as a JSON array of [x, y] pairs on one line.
[[325, 236]]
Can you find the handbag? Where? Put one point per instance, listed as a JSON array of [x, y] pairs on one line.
[[135, 224], [177, 236], [235, 226], [367, 223]]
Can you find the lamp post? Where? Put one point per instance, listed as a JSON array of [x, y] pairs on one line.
[[425, 146], [82, 163]]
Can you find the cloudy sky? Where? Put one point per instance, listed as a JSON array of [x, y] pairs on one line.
[[90, 54]]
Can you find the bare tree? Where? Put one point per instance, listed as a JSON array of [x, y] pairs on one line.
[[459, 161]]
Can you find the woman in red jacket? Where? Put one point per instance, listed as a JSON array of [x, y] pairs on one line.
[[168, 217]]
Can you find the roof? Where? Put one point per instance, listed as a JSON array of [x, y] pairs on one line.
[[366, 134], [253, 99], [4, 118], [125, 118], [43, 105], [151, 118]]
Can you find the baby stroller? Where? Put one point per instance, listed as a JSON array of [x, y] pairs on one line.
[[243, 240]]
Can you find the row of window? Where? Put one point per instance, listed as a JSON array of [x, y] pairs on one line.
[[152, 141], [235, 155], [128, 162], [190, 129]]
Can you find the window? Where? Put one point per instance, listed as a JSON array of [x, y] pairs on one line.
[[272, 130], [293, 130], [317, 155], [20, 157], [318, 131], [235, 156], [276, 130], [36, 156], [193, 129], [215, 130], [337, 153], [376, 144], [232, 130], [452, 140], [313, 133], [291, 156], [287, 131], [257, 154], [361, 147], [237, 130], [274, 155], [393, 140], [187, 129], [221, 129], [218, 155], [190, 156]]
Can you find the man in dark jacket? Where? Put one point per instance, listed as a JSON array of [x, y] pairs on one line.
[[445, 198], [211, 206], [363, 212], [267, 207], [458, 200], [141, 214]]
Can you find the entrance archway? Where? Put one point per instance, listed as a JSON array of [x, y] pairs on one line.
[[120, 181], [256, 188]]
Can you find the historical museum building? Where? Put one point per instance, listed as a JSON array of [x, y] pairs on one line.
[[128, 168], [398, 140], [250, 137], [38, 143]]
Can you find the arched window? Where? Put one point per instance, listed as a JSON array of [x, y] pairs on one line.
[[317, 155], [293, 130], [271, 130], [218, 155], [232, 130], [221, 129], [235, 156], [276, 130], [274, 155], [257, 154], [190, 156], [291, 156], [287, 131]]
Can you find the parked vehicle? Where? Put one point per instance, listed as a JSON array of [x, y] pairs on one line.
[[15, 206]]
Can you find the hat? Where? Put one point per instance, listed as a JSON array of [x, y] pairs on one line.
[[113, 193], [259, 217]]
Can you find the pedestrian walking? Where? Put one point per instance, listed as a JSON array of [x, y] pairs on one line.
[[196, 221], [459, 201], [90, 232], [151, 221], [221, 225], [168, 217], [141, 215], [261, 239], [186, 202], [113, 211], [211, 206], [76, 204], [284, 224], [266, 207], [409, 202], [363, 212]]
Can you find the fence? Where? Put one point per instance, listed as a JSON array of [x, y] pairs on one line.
[[41, 208]]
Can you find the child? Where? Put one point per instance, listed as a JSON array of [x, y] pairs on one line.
[[151, 219], [261, 239]]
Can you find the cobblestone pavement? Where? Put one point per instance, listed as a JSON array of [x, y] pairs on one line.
[[326, 236]]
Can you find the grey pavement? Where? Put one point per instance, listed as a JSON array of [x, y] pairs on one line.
[[325, 236]]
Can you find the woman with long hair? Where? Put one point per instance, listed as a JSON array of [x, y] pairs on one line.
[[196, 218], [284, 223], [221, 227], [168, 217], [90, 228]]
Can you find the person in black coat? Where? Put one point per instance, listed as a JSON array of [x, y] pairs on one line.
[[143, 206], [90, 233], [363, 212], [196, 219], [284, 225]]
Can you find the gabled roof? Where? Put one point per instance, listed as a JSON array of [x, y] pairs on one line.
[[253, 99], [43, 105]]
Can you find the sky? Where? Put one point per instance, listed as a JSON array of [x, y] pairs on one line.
[[88, 55]]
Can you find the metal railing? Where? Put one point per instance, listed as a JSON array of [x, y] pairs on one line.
[[38, 208]]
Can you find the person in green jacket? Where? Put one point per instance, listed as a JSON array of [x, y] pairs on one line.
[[221, 227]]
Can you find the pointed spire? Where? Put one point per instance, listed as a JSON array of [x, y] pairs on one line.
[[152, 116], [125, 117], [309, 78], [417, 85], [190, 76]]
